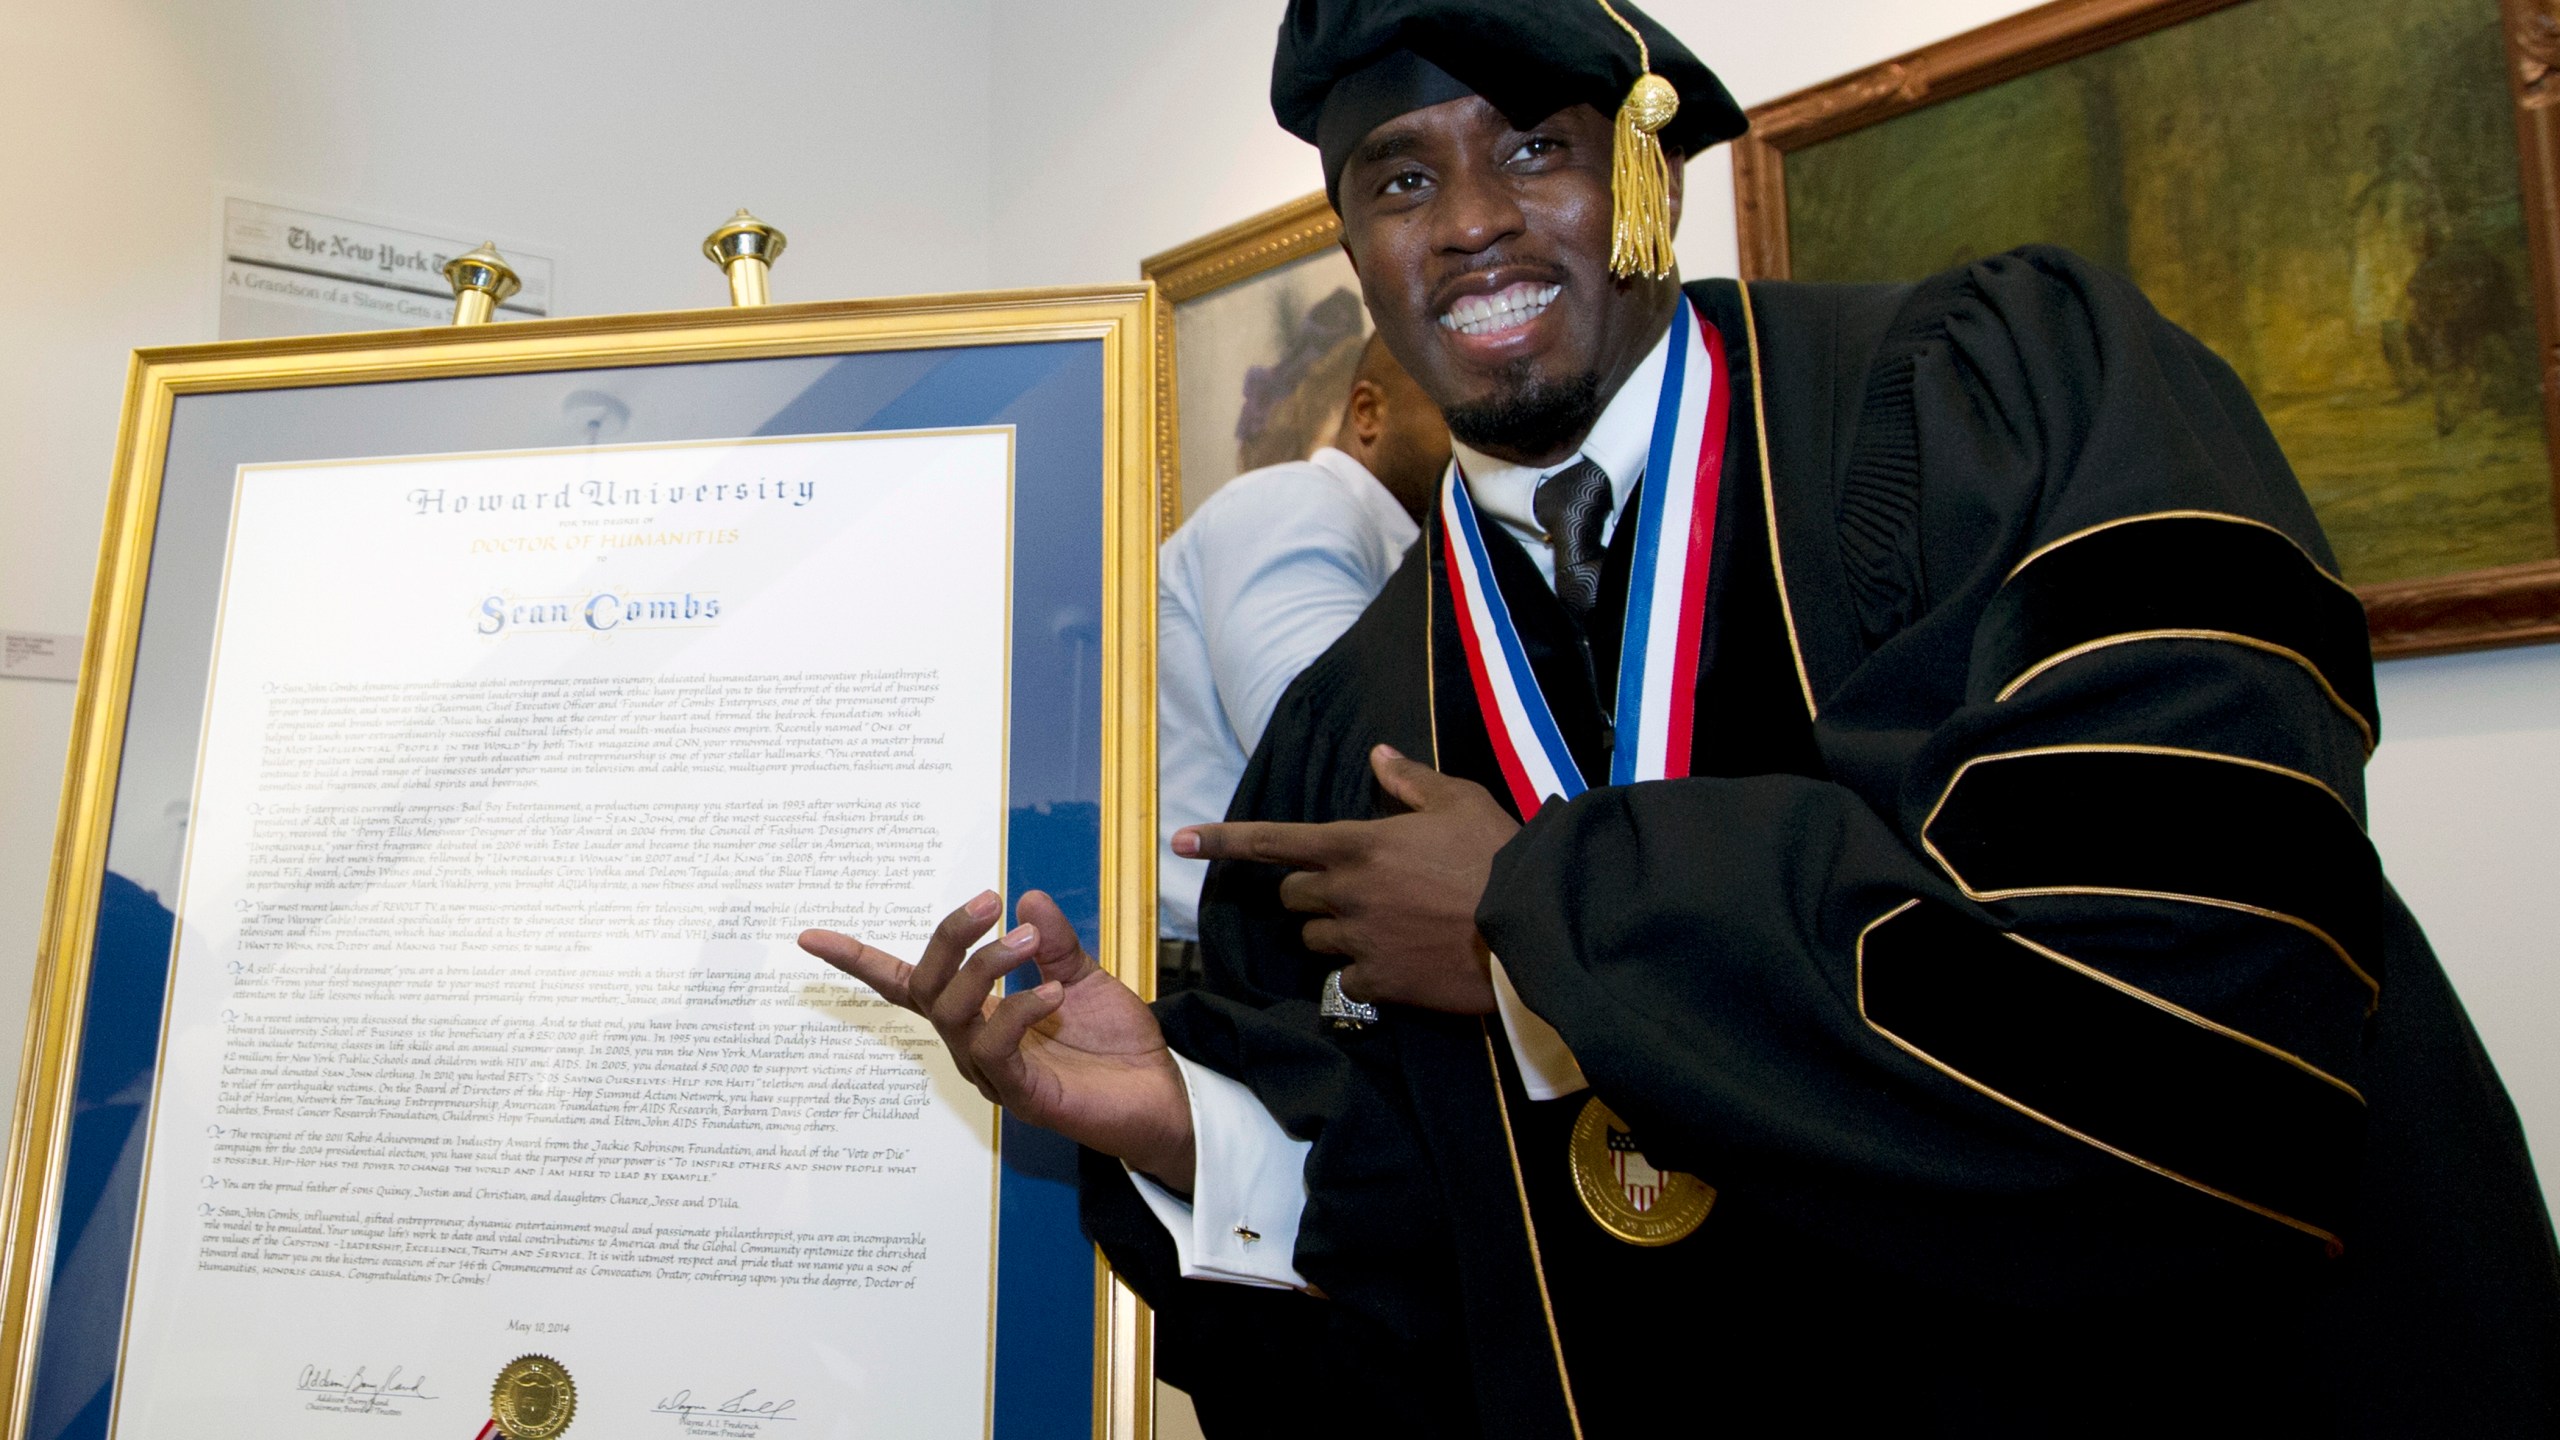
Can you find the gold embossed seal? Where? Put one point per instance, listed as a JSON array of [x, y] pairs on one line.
[[1623, 1190], [533, 1399]]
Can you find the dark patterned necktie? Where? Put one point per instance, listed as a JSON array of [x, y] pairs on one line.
[[1573, 505]]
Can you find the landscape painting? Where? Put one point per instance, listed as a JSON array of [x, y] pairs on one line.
[[2326, 192]]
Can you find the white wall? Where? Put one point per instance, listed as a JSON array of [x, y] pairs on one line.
[[615, 135], [2465, 801]]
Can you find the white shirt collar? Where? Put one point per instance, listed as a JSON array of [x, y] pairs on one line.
[[1618, 443]]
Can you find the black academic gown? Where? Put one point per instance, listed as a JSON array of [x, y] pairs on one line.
[[2015, 965]]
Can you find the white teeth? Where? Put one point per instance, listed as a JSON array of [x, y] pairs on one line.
[[1514, 305]]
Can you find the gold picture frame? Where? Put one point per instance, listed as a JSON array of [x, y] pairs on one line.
[[1119, 319], [1212, 267]]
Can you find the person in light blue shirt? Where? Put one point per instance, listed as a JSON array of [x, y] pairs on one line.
[[1264, 575]]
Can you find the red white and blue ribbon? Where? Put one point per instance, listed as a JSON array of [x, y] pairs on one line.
[[1675, 523]]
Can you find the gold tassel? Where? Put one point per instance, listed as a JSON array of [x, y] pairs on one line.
[[1639, 174]]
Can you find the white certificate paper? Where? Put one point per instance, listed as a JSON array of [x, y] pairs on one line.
[[487, 1036]]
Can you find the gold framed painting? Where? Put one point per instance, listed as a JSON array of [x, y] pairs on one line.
[[2355, 202], [469, 720], [1260, 330]]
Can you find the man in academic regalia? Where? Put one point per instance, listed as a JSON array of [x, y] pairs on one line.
[[1864, 923]]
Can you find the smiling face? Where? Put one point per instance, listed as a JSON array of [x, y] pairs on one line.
[[1483, 250]]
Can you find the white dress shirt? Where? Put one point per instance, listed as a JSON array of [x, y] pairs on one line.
[[1269, 571], [1250, 1176]]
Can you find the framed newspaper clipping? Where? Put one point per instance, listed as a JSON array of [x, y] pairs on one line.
[[470, 719]]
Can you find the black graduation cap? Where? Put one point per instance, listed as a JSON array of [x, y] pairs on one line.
[[1345, 67]]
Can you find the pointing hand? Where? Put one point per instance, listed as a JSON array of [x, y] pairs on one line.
[[1079, 1054]]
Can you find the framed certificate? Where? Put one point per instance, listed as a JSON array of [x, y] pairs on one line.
[[470, 721]]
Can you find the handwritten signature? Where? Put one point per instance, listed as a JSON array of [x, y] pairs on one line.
[[683, 1403], [362, 1393]]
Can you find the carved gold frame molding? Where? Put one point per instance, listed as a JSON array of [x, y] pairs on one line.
[[2471, 610], [1285, 233]]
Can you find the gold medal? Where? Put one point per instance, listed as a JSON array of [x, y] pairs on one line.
[[533, 1399], [1624, 1192]]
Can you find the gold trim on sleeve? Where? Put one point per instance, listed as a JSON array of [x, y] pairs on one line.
[[2227, 637], [2372, 986], [2172, 1007], [2329, 1240], [2120, 748], [2050, 546]]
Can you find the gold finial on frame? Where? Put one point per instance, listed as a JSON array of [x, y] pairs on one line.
[[745, 248], [480, 280]]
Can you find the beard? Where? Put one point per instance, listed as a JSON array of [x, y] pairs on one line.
[[1530, 414]]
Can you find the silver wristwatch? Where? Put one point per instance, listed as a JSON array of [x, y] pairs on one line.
[[1340, 1010]]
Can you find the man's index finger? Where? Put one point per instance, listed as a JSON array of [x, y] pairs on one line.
[[1274, 842]]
